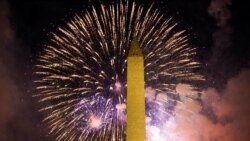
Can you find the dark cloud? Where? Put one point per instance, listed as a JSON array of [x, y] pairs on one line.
[[219, 10], [9, 104], [18, 117], [224, 60]]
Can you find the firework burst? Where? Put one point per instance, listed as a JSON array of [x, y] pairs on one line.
[[82, 71]]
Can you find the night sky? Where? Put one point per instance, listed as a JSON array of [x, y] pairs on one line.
[[223, 45]]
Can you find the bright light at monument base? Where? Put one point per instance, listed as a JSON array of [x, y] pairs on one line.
[[167, 132], [153, 134]]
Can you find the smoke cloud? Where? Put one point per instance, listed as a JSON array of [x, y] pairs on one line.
[[230, 110], [231, 107], [8, 101]]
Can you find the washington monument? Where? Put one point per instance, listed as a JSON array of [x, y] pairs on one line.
[[136, 127]]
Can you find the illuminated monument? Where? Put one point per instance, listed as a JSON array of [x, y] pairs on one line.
[[136, 127]]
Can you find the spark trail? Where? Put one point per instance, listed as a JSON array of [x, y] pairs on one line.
[[82, 70]]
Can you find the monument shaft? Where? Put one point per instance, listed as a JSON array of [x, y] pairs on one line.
[[135, 95]]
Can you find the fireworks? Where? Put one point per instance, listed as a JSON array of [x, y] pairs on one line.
[[82, 71]]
